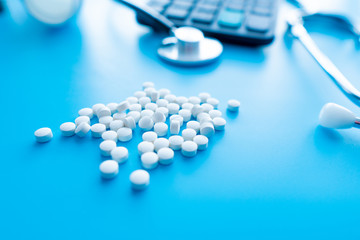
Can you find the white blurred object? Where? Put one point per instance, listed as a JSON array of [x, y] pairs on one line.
[[333, 115], [52, 12]]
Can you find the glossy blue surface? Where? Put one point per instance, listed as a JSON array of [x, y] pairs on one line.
[[273, 174]]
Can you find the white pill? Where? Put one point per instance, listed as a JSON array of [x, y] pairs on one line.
[[196, 110], [175, 142], [149, 91], [135, 107], [135, 115], [145, 147], [106, 147], [143, 101], [86, 112], [147, 112], [160, 143], [161, 128], [185, 114], [139, 94], [97, 130], [194, 125], [213, 101], [207, 107], [147, 85], [124, 134], [189, 148], [110, 135], [149, 160], [139, 179], [106, 120], [154, 96], [170, 98], [219, 123], [233, 105], [158, 117], [163, 110], [132, 100], [163, 92], [187, 106], [173, 108], [207, 129], [194, 100], [151, 106], [206, 119], [119, 116], [202, 115], [201, 141], [43, 135], [120, 154], [82, 119], [109, 169], [149, 136], [204, 96], [102, 112], [181, 100], [82, 129], [215, 113], [129, 122], [162, 102], [68, 129], [123, 106], [166, 156], [177, 118], [96, 107], [116, 125], [174, 127], [112, 107], [146, 123], [188, 134]]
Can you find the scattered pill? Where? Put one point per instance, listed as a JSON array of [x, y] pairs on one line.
[[166, 155], [154, 96], [207, 129], [219, 123], [163, 110], [163, 92], [120, 154], [173, 108], [147, 113], [96, 107], [194, 100], [151, 106], [185, 114], [194, 125], [119, 116], [112, 107], [104, 111], [146, 123], [106, 147], [116, 125], [82, 119], [174, 127], [178, 118], [187, 106], [109, 169], [86, 112], [202, 115], [149, 136], [196, 110], [143, 101], [110, 135], [124, 134], [43, 135], [188, 134], [204, 96], [68, 128], [175, 142], [139, 94], [149, 91], [213, 101], [132, 100], [160, 143], [215, 113], [161, 129], [134, 114], [206, 119], [145, 147], [129, 122], [181, 100], [148, 84], [170, 98], [97, 130], [162, 102], [201, 141], [207, 107], [139, 179], [158, 117], [106, 120], [233, 105], [124, 105], [82, 129], [189, 148], [149, 160], [135, 107]]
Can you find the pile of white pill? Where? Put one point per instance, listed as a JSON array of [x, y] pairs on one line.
[[169, 123]]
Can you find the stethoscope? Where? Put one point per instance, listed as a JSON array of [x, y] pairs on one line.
[[186, 46]]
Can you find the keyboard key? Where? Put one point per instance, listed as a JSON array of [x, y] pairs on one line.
[[236, 7], [182, 4], [258, 23], [231, 19], [176, 13], [210, 2], [262, 11], [201, 8], [202, 17]]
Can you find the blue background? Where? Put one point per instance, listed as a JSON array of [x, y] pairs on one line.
[[273, 174]]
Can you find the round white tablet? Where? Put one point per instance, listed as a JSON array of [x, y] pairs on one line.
[[162, 102], [160, 143], [68, 129], [233, 105], [102, 112], [139, 179], [189, 148], [207, 107], [135, 107], [202, 115], [163, 110], [158, 117], [119, 116], [149, 136], [173, 108], [201, 141], [163, 92], [97, 130], [86, 112], [146, 123], [109, 169], [124, 105], [206, 119], [149, 160], [96, 107], [170, 98], [43, 135], [143, 101], [166, 156], [82, 119], [129, 122], [106, 147], [213, 101], [116, 125], [207, 129], [194, 100], [194, 125], [219, 123], [134, 114], [151, 106], [187, 106], [112, 106], [185, 114], [178, 118], [181, 100], [175, 142], [215, 113], [110, 135], [174, 127], [106, 120], [148, 84], [188, 134], [154, 96], [204, 96], [196, 110], [161, 128], [139, 94], [119, 154], [82, 129], [145, 147], [149, 91], [124, 134], [147, 113], [132, 100]]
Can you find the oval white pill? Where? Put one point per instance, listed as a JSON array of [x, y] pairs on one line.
[[161, 128], [147, 113], [68, 129], [146, 123], [163, 110], [175, 142], [189, 148], [82, 119], [97, 130], [194, 100], [106, 120], [139, 94], [162, 102], [148, 85], [173, 108], [154, 96], [134, 114], [187, 106], [185, 114], [201, 141], [106, 147], [149, 91], [196, 110], [233, 105], [86, 112], [124, 105], [178, 118], [145, 147], [43, 135], [174, 127], [135, 107], [109, 169], [143, 101], [161, 143], [163, 92], [124, 134], [110, 135], [207, 107], [139, 179], [116, 125], [151, 106], [213, 101], [170, 98], [102, 112], [219, 123], [207, 129], [149, 136], [129, 122], [188, 134], [119, 116], [132, 100], [166, 156], [181, 100], [194, 125], [82, 129], [119, 154], [215, 113], [204, 96], [149, 160], [112, 107], [158, 117], [96, 107]]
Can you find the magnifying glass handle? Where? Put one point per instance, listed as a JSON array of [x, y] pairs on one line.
[[157, 20]]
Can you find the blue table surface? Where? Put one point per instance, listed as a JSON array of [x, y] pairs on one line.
[[273, 174]]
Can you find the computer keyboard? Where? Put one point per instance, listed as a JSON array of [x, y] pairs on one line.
[[238, 21]]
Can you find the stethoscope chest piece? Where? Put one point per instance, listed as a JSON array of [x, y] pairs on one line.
[[189, 47]]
